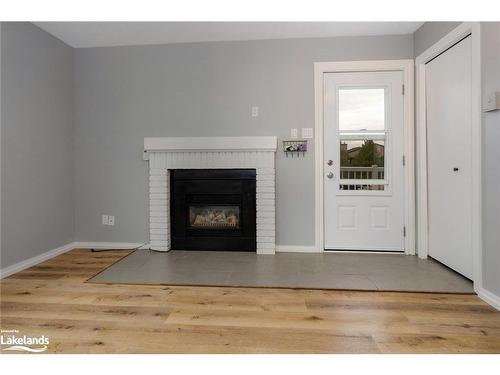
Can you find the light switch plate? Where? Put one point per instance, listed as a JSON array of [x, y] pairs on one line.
[[307, 133], [294, 134], [105, 219], [111, 220], [255, 111]]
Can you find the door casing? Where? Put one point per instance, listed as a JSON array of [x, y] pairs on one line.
[[407, 67]]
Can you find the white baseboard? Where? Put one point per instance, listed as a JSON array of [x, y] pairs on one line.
[[368, 252], [109, 245], [296, 249], [10, 270], [489, 298]]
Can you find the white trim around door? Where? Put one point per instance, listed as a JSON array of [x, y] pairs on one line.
[[407, 67], [463, 30]]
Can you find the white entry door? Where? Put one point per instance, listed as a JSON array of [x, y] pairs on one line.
[[363, 156], [449, 174]]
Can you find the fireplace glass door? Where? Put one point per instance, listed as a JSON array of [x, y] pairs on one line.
[[214, 217], [213, 209]]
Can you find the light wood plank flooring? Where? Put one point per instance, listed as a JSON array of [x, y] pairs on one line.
[[53, 299]]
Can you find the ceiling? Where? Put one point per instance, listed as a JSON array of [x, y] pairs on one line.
[[102, 34]]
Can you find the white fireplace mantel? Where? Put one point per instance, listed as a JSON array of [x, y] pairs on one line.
[[166, 153], [209, 144]]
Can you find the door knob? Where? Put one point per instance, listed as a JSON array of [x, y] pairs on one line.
[[329, 162], [330, 175]]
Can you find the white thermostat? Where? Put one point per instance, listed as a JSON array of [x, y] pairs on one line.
[[492, 102]]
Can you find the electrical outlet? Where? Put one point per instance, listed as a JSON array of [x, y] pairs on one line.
[[111, 220], [294, 134], [105, 220], [255, 111]]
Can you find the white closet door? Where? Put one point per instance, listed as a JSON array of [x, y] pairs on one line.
[[449, 125]]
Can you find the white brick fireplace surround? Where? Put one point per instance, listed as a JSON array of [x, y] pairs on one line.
[[210, 153]]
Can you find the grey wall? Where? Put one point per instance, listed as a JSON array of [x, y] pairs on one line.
[[124, 94], [37, 142], [429, 33], [490, 34]]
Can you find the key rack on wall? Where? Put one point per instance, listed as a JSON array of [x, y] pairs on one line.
[[295, 147]]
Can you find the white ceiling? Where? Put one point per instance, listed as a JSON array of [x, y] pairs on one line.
[[101, 34]]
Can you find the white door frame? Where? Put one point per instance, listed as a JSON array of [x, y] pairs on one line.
[[464, 29], [407, 67]]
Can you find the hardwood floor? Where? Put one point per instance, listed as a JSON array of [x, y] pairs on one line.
[[53, 299]]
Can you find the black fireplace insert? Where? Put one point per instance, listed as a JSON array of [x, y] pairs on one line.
[[213, 209]]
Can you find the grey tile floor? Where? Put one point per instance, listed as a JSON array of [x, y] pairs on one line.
[[388, 272]]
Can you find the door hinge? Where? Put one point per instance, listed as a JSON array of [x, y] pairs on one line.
[[403, 88], [404, 231], [404, 160]]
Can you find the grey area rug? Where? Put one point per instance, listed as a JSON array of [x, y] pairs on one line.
[[376, 272]]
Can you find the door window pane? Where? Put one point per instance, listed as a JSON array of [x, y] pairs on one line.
[[362, 159], [361, 109]]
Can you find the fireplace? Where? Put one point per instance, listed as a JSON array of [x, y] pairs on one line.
[[213, 209], [166, 154]]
